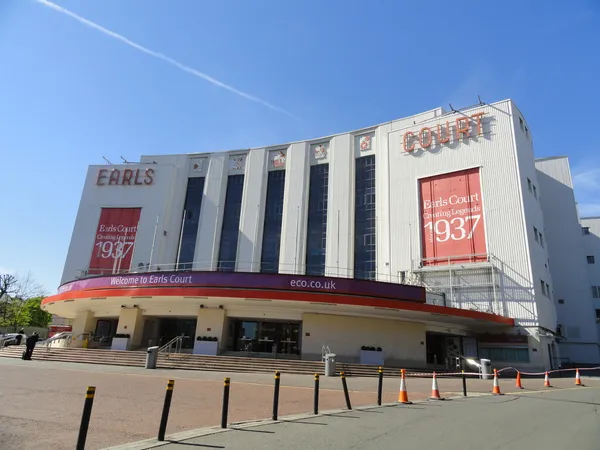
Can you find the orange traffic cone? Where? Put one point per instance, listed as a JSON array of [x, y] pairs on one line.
[[496, 387], [577, 378], [435, 392], [403, 396], [547, 381], [518, 383]]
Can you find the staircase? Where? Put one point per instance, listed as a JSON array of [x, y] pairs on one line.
[[193, 362]]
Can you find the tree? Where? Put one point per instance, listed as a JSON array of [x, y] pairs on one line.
[[20, 299], [31, 314]]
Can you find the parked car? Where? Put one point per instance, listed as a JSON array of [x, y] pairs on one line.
[[13, 339]]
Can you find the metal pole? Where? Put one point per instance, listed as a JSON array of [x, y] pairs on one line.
[[338, 243], [296, 248], [380, 386], [316, 395], [165, 412], [180, 239], [85, 417], [345, 386], [464, 383], [276, 395], [153, 242]]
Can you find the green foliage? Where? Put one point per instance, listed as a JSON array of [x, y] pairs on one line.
[[20, 300], [31, 314]]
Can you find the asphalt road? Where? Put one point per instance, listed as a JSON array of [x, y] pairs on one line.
[[546, 420]]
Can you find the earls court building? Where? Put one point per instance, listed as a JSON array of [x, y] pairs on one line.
[[428, 237]]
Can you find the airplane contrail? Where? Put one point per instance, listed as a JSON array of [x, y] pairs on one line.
[[160, 56]]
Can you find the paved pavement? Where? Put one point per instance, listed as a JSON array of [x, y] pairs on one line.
[[560, 419], [41, 401]]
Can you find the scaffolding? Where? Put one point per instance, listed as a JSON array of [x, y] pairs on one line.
[[467, 282]]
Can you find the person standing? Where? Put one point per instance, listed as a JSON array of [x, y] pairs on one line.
[[30, 345]]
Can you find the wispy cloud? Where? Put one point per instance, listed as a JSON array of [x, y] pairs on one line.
[[586, 180], [160, 56]]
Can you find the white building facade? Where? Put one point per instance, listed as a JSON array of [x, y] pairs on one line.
[[453, 202]]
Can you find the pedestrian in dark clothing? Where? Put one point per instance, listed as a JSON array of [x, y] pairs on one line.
[[30, 345]]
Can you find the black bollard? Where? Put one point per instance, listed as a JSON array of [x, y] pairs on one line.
[[165, 412], [316, 397], [225, 403], [345, 385], [276, 395], [85, 418], [380, 387], [464, 381]]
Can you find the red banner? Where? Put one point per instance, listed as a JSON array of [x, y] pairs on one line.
[[115, 238], [452, 218]]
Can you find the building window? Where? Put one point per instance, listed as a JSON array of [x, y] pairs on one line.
[[269, 262], [534, 192], [548, 290], [521, 123], [529, 184], [541, 240], [316, 239], [364, 219], [535, 233], [191, 220], [585, 231], [527, 132], [231, 223], [596, 291], [505, 354], [591, 259], [543, 284], [597, 315]]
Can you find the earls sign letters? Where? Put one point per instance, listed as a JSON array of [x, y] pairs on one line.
[[463, 127], [125, 177]]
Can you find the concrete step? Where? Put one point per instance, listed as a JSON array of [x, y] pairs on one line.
[[194, 362]]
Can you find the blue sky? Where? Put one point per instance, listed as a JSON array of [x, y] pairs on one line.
[[72, 94]]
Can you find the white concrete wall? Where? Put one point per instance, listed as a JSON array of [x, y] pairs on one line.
[[160, 198], [211, 322], [253, 212], [339, 257], [568, 263], [292, 254], [211, 214], [403, 343]]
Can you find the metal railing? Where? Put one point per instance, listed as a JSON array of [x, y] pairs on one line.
[[68, 335], [325, 350], [389, 276], [471, 281], [173, 346]]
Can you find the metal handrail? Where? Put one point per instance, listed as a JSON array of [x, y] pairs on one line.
[[176, 341], [62, 335], [325, 350]]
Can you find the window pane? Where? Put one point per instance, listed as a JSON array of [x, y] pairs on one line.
[[317, 219], [191, 218], [231, 223], [273, 218], [364, 219]]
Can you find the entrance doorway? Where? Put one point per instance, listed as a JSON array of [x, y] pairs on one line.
[[275, 337], [171, 328], [444, 349]]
